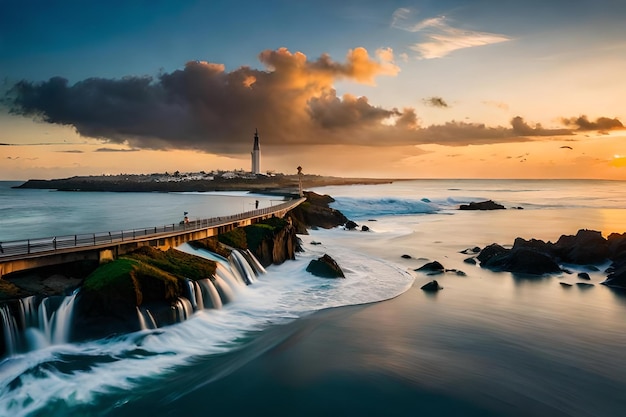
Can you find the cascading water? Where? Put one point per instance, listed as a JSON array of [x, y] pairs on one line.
[[34, 322], [254, 262], [32, 328], [241, 265]]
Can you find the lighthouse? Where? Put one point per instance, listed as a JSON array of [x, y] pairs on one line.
[[256, 154]]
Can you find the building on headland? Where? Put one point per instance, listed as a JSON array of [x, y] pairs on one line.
[[256, 154]]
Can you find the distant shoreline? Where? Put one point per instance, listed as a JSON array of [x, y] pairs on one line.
[[282, 184]]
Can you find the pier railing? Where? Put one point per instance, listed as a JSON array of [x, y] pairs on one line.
[[23, 248]]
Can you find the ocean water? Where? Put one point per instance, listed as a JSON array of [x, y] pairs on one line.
[[488, 344]]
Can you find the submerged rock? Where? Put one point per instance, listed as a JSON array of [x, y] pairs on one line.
[[565, 284], [364, 228], [584, 275], [482, 205], [432, 286], [405, 256], [325, 267]]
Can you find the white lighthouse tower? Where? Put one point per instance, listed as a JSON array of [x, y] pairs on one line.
[[256, 154]]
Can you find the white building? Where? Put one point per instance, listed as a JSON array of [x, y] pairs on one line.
[[256, 154]]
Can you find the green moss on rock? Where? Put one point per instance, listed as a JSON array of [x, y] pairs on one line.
[[235, 238]]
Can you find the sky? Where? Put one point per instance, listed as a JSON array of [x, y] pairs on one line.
[[392, 89]]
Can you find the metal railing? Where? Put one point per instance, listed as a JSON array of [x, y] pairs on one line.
[[40, 246]]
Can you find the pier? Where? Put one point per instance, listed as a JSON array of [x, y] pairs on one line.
[[27, 254]]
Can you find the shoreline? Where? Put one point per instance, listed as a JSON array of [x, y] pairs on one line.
[[279, 184]]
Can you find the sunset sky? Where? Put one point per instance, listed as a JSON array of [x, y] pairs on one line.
[[413, 89]]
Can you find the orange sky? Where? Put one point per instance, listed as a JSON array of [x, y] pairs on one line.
[[421, 91]]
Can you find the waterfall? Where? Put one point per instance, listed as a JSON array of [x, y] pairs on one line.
[[209, 294], [254, 262], [146, 321], [226, 293], [183, 309], [61, 320], [195, 295], [242, 266], [10, 330]]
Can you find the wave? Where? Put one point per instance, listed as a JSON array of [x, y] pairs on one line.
[[359, 208]]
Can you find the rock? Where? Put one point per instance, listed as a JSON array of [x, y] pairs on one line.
[[565, 284], [457, 272], [587, 247], [490, 252], [431, 267], [350, 225], [584, 285], [315, 212], [617, 245], [405, 256], [471, 261], [313, 242], [364, 228], [584, 275], [482, 205], [521, 259], [617, 278], [432, 286], [325, 267]]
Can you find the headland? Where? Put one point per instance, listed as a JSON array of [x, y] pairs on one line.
[[200, 182]]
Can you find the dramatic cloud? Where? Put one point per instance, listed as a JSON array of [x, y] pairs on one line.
[[602, 124], [438, 37], [435, 102], [292, 103]]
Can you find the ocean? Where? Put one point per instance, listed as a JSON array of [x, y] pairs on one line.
[[372, 344]]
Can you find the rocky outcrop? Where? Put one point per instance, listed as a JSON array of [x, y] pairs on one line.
[[482, 205], [315, 212], [325, 267], [272, 241], [537, 257]]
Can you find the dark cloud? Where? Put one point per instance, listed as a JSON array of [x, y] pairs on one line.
[[435, 102], [115, 150], [602, 124], [520, 127], [206, 108]]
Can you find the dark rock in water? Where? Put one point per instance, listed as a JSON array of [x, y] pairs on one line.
[[467, 251], [617, 278], [457, 272], [566, 271], [372, 220], [350, 225], [522, 259], [583, 275], [405, 256], [534, 244], [364, 228], [431, 267], [587, 247], [518, 208], [425, 200], [325, 267], [432, 286], [490, 252], [565, 284], [584, 284], [482, 205], [471, 261], [313, 242]]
